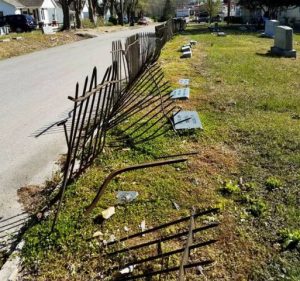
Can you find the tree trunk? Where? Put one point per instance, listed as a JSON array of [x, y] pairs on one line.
[[77, 18], [66, 13], [228, 11], [91, 12]]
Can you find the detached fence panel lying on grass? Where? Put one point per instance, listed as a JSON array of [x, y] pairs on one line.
[[129, 258]]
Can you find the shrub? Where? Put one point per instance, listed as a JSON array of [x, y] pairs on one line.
[[113, 20]]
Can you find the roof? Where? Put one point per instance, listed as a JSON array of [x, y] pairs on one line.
[[14, 3], [31, 3]]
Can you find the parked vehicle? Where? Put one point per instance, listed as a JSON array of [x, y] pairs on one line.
[[19, 23], [143, 21]]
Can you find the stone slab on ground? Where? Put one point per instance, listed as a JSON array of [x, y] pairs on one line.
[[185, 120]]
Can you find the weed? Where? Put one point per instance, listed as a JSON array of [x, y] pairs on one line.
[[290, 238], [258, 207], [229, 188], [273, 183]]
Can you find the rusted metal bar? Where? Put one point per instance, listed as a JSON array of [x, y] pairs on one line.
[[163, 239], [127, 169], [171, 253], [150, 230]]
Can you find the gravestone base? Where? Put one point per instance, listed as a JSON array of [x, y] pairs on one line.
[[283, 53]]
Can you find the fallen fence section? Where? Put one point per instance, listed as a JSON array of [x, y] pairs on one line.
[[129, 263]]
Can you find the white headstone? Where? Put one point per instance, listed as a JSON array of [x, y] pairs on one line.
[[270, 27], [187, 54]]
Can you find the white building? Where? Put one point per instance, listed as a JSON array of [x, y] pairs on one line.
[[45, 11]]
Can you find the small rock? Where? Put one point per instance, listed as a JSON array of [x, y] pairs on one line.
[[195, 181], [5, 40], [176, 206], [106, 214], [126, 228], [18, 38], [277, 246], [97, 234], [112, 238], [193, 42], [127, 270], [231, 103]]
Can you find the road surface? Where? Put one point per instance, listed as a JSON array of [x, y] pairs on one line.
[[33, 95]]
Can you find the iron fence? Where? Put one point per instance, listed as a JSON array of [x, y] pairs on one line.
[[129, 257], [133, 87]]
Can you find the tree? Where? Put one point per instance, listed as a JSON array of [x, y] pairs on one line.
[[169, 10], [212, 7], [65, 5], [78, 6], [270, 6]]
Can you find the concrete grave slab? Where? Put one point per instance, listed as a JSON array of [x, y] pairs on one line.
[[185, 120], [181, 94], [184, 82]]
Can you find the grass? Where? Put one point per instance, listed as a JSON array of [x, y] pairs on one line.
[[33, 41], [247, 102]]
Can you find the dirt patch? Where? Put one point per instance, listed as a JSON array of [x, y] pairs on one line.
[[31, 197]]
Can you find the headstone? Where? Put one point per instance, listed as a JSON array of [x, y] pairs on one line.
[[184, 82], [283, 43], [48, 29], [187, 120], [270, 28], [126, 196], [181, 94], [186, 48], [222, 34], [5, 40], [187, 54]]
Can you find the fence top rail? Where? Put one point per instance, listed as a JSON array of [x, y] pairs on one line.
[[99, 87]]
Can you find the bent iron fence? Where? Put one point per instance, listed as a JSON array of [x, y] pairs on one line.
[[133, 83], [128, 258]]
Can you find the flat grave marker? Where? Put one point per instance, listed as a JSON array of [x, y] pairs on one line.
[[187, 120]]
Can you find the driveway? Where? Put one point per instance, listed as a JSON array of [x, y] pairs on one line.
[[34, 91]]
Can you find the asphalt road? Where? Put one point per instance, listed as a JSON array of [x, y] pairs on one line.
[[33, 95]]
